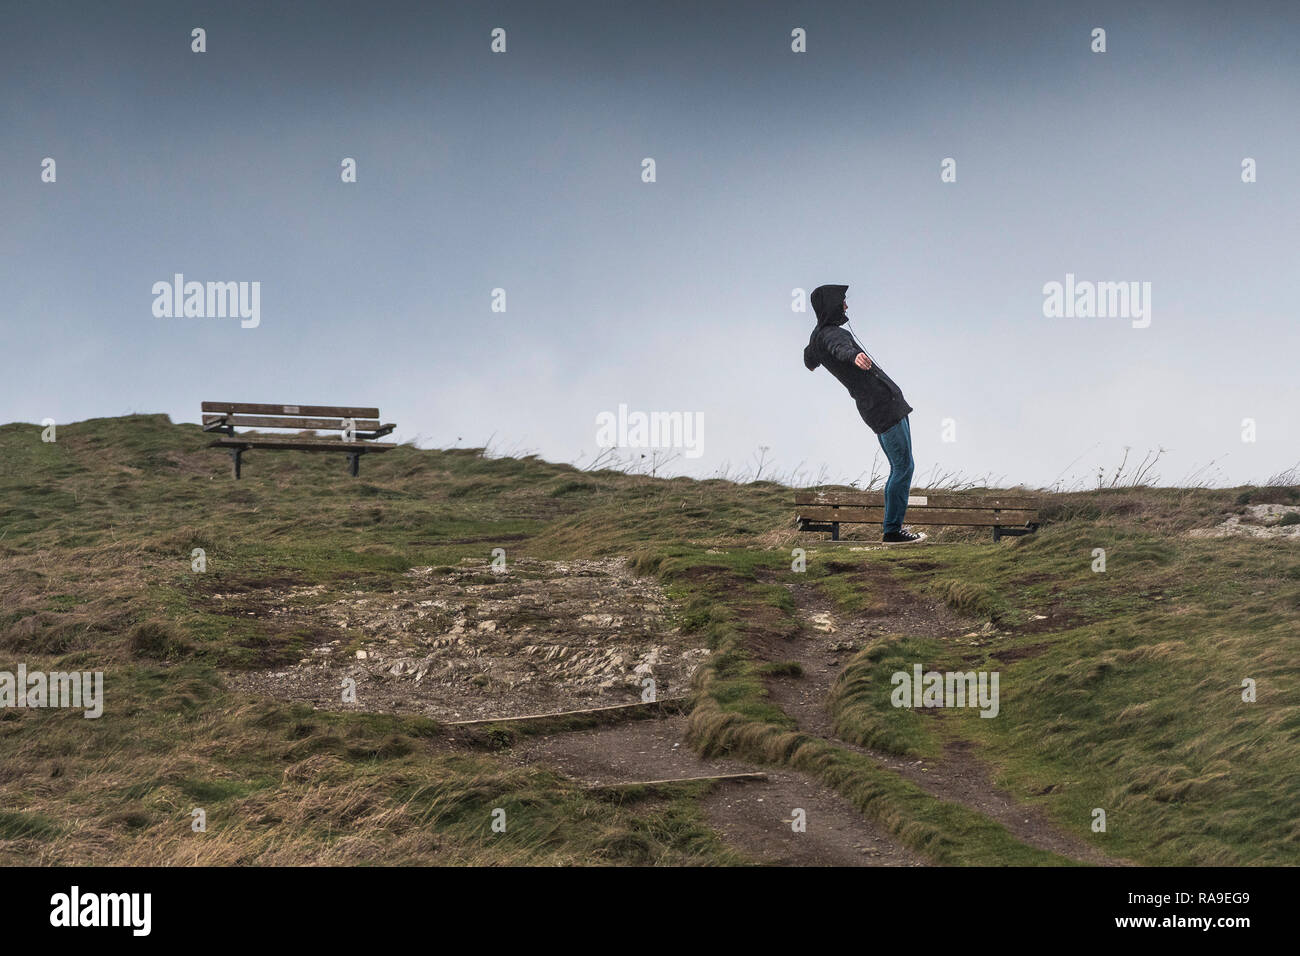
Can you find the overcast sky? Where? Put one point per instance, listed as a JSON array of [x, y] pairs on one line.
[[774, 171]]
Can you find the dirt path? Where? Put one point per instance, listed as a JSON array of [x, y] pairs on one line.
[[960, 776], [754, 817], [460, 643], [555, 635]]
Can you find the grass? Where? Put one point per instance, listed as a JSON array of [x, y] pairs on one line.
[[95, 561], [736, 611], [283, 784], [861, 698], [1125, 694], [1132, 700]]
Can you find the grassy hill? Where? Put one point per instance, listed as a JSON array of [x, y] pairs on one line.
[[1121, 690]]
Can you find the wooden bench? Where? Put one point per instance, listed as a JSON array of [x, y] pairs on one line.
[[1005, 514], [359, 428]]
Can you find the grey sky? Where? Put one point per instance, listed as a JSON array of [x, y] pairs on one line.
[[775, 170]]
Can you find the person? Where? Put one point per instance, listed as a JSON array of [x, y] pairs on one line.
[[880, 402]]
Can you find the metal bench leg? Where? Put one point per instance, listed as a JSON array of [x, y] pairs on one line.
[[236, 456], [835, 531], [354, 459], [997, 534]]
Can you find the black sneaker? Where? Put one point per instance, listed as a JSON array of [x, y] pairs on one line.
[[901, 537]]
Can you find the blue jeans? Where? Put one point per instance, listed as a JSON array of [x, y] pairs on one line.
[[897, 443]]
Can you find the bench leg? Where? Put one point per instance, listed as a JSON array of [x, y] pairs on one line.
[[835, 531], [236, 456], [354, 459], [997, 534]]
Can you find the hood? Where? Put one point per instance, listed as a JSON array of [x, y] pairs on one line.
[[828, 303]]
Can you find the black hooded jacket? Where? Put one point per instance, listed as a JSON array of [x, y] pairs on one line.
[[880, 401]]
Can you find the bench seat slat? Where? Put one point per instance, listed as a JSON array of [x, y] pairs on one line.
[[327, 411], [876, 499], [926, 516], [301, 444], [261, 421]]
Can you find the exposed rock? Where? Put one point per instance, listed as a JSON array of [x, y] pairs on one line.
[[823, 622], [552, 636], [1259, 521]]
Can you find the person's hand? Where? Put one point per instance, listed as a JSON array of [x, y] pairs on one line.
[[862, 361]]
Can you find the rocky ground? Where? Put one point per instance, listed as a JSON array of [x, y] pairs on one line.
[[466, 643], [1256, 521], [461, 643]]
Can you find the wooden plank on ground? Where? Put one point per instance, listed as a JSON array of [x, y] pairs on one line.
[[329, 411], [756, 777], [875, 499], [926, 516], [667, 703], [261, 421]]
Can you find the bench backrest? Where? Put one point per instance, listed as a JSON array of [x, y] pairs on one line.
[[297, 417], [873, 499], [867, 507]]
